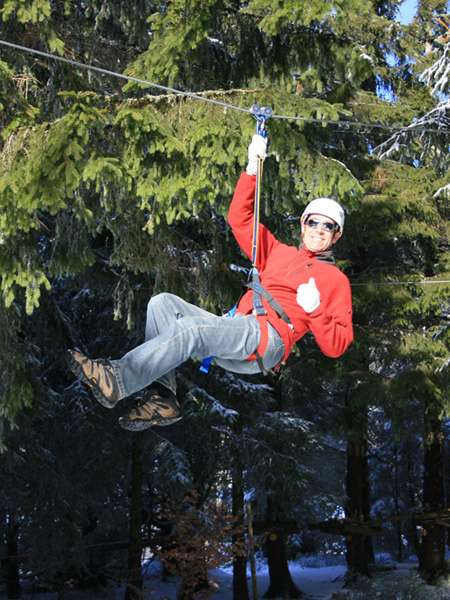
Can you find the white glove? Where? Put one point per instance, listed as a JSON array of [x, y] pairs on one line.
[[257, 148], [308, 296]]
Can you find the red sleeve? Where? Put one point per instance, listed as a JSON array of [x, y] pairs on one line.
[[331, 323], [240, 218]]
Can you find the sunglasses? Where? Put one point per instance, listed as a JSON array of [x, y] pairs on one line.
[[314, 224]]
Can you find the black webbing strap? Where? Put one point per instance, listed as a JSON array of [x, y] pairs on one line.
[[260, 362], [261, 291]]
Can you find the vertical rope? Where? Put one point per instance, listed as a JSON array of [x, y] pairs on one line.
[[254, 274], [256, 212]]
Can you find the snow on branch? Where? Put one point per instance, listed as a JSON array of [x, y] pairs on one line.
[[443, 192], [425, 140], [287, 420], [236, 385], [215, 407], [174, 468], [438, 75]]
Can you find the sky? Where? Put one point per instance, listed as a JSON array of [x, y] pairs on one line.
[[407, 11]]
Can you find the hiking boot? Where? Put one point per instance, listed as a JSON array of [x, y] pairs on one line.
[[98, 375], [154, 409]]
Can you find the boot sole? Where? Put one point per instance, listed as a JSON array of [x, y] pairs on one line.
[[76, 369]]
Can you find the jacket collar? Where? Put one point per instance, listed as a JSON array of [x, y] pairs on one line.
[[327, 256]]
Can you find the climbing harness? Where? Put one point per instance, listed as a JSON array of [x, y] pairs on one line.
[[261, 114]]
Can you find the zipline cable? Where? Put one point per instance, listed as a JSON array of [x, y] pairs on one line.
[[81, 65], [195, 96], [225, 105], [398, 282]]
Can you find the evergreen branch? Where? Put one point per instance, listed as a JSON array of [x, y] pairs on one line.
[[438, 75], [198, 95], [375, 526], [433, 147]]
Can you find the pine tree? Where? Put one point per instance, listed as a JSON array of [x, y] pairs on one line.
[[109, 194]]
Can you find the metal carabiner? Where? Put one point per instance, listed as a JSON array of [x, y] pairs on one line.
[[261, 114]]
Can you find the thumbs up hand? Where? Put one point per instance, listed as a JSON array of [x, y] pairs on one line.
[[308, 296]]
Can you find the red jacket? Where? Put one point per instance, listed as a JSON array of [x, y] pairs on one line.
[[282, 269]]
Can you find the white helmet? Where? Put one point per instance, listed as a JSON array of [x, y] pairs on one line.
[[326, 207]]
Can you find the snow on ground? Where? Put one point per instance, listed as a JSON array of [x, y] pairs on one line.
[[319, 583], [401, 582], [316, 583]]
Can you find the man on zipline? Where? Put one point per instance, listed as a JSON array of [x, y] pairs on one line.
[[300, 289]]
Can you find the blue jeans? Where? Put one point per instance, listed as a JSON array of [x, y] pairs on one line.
[[176, 331]]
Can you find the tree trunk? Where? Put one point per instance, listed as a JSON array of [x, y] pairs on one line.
[[240, 589], [359, 547], [134, 589], [251, 550], [12, 562], [398, 524], [432, 546], [281, 583], [411, 529]]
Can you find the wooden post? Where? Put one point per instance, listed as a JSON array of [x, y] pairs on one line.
[[134, 589], [251, 550]]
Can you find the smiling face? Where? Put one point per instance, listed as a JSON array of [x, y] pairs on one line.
[[319, 233]]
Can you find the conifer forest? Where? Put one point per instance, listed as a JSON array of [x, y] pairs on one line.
[[114, 188]]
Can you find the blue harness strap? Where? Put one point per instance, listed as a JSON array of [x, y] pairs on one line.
[[206, 362]]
